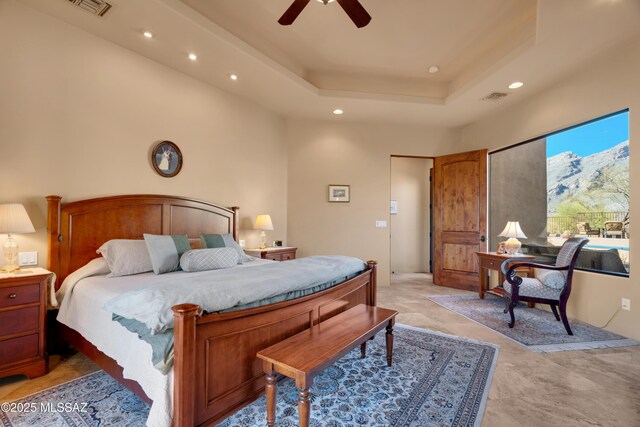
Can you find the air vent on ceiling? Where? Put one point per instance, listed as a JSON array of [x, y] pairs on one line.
[[96, 7], [495, 96]]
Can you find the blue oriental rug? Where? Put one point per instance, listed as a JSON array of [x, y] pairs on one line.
[[536, 329], [435, 380]]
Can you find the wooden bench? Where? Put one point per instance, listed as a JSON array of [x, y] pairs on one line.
[[304, 355]]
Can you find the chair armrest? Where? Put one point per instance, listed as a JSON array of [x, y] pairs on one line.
[[517, 262], [514, 263]]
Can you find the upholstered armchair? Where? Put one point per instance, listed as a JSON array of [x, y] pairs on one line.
[[552, 284]]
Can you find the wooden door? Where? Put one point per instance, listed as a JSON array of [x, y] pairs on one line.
[[460, 218]]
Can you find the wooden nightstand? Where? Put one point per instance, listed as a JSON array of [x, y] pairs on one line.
[[23, 310], [282, 253]]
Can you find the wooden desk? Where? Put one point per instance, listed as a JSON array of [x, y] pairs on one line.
[[306, 354], [493, 261]]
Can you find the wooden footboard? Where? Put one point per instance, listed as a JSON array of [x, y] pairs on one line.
[[215, 366]]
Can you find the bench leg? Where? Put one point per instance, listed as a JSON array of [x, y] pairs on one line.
[[363, 350], [389, 342], [271, 399], [304, 407]]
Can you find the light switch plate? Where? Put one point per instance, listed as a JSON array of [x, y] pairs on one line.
[[626, 304], [27, 258], [381, 224]]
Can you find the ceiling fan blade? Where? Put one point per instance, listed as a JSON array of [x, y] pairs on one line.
[[292, 13], [356, 12]]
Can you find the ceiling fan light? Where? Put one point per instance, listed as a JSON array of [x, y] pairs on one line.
[[326, 1]]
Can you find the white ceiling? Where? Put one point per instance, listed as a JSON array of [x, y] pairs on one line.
[[376, 73], [390, 55]]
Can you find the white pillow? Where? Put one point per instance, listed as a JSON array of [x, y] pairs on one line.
[[553, 279], [126, 257], [208, 259]]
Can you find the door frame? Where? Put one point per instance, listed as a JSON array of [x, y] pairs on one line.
[[406, 156]]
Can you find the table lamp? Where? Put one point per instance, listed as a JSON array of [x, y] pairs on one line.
[[512, 231], [263, 222], [13, 219]]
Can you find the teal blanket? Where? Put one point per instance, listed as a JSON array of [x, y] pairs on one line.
[[144, 313]]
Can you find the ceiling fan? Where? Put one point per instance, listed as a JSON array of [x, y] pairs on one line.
[[353, 8]]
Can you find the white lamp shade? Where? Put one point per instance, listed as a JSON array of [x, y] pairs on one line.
[[513, 230], [14, 219], [263, 222]]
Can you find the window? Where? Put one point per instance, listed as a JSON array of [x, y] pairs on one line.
[[574, 182]]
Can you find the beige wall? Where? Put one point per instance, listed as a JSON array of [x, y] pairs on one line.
[[334, 152], [78, 116], [603, 86], [410, 226]]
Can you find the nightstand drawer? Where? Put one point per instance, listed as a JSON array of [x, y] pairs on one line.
[[22, 320], [288, 256], [17, 295], [280, 253], [17, 349]]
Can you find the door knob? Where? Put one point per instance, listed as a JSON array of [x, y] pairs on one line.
[[482, 239]]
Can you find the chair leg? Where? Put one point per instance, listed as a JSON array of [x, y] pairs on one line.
[[511, 314], [555, 312], [563, 315]]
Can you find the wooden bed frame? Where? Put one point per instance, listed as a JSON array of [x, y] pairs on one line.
[[216, 371]]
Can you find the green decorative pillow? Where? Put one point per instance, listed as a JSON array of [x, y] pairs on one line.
[[224, 241], [212, 241], [165, 251]]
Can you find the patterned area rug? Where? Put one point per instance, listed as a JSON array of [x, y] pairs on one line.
[[95, 399], [435, 380], [536, 329]]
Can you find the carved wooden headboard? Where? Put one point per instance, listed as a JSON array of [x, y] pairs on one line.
[[77, 229]]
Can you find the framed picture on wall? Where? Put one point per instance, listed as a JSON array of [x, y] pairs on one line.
[[166, 159], [339, 193]]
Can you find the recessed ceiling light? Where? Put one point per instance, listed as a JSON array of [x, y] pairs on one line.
[[148, 34], [434, 69], [516, 85], [233, 77], [193, 56], [337, 111]]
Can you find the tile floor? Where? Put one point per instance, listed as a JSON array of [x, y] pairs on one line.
[[575, 388]]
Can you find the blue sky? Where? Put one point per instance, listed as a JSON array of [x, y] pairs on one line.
[[591, 138]]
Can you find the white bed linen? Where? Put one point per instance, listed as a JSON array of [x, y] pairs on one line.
[[81, 309]]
